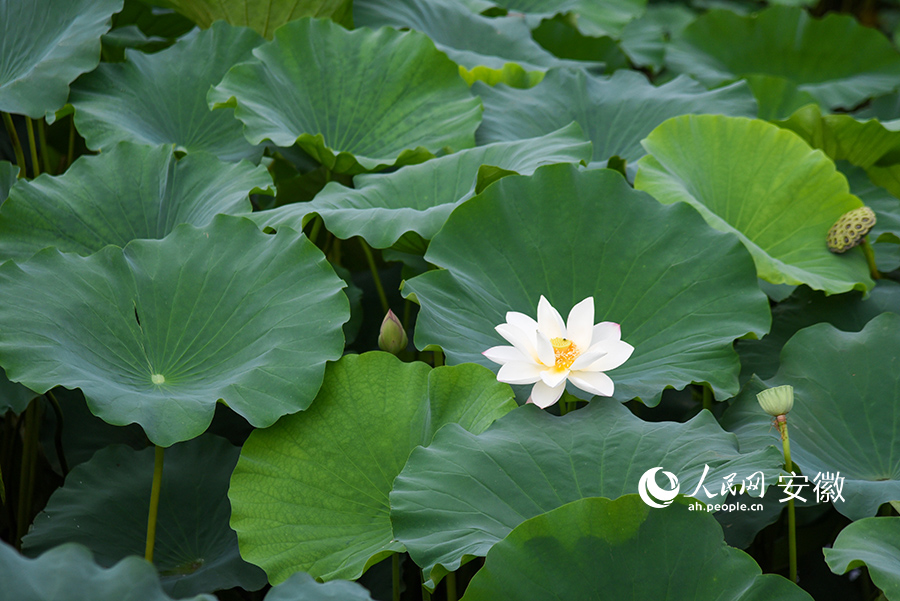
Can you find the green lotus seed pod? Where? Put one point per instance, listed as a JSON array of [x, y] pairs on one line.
[[850, 229], [776, 401]]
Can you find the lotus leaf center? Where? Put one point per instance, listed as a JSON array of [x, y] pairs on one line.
[[161, 379]]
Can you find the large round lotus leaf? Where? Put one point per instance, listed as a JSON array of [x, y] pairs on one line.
[[398, 100], [469, 39], [161, 98], [264, 16], [592, 17], [131, 192], [311, 492], [842, 137], [681, 291], [874, 543], [597, 549], [8, 174], [302, 587], [104, 503], [714, 164], [844, 385], [44, 46], [848, 312], [462, 494], [419, 198], [69, 570], [158, 332], [616, 112], [787, 42]]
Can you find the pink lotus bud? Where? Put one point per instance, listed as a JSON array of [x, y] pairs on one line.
[[392, 337]]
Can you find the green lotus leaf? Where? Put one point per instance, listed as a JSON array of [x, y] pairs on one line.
[[714, 164], [880, 190], [157, 332], [311, 492], [419, 198], [681, 291], [477, 6], [153, 20], [263, 16], [44, 46], [874, 543], [644, 40], [130, 36], [786, 42], [13, 397], [161, 98], [58, 573], [104, 503], [83, 433], [469, 39], [8, 175], [843, 138], [615, 112], [778, 97], [622, 549], [456, 498], [302, 587], [560, 36], [741, 527], [884, 108], [844, 386], [398, 101], [591, 17], [849, 312], [511, 74], [131, 192]]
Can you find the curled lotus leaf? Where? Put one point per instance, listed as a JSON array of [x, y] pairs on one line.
[[784, 42], [128, 193], [713, 162], [70, 567], [44, 46], [399, 100], [616, 112], [160, 98]]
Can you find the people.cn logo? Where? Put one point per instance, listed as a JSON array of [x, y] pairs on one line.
[[652, 494]]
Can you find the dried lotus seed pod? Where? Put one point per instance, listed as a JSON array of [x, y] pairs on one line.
[[850, 229]]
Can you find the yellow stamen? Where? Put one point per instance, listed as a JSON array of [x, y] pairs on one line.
[[566, 353]]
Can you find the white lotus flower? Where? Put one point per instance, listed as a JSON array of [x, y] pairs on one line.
[[547, 352]]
